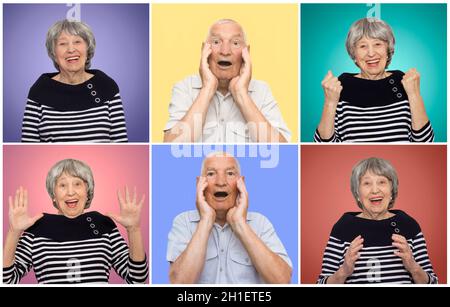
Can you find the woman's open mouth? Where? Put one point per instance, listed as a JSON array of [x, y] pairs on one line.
[[73, 59], [376, 200], [71, 203], [373, 63]]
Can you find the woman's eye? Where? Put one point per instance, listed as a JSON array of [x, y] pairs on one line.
[[209, 174]]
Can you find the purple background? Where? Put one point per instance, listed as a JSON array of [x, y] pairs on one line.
[[122, 35]]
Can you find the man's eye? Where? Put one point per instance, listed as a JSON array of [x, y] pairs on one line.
[[216, 42]]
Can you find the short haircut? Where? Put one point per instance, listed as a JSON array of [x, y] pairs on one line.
[[373, 28], [219, 154], [223, 21], [379, 167], [74, 168], [72, 27]]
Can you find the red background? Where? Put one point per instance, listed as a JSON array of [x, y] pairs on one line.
[[326, 195]]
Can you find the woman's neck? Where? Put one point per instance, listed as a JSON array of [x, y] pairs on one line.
[[73, 78], [375, 216], [382, 75]]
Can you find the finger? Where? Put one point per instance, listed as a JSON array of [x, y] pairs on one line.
[[356, 239], [127, 194], [120, 197], [399, 238], [401, 247], [141, 202], [21, 197], [241, 185], [246, 55], [134, 195], [16, 199], [25, 199], [328, 76]]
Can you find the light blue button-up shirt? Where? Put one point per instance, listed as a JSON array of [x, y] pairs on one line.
[[227, 261]]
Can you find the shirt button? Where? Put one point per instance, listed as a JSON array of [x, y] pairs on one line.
[[93, 93], [394, 89], [393, 224], [396, 230], [89, 86], [399, 95], [391, 81], [92, 225], [89, 219], [97, 100], [95, 232]]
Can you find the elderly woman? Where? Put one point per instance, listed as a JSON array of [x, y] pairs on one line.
[[73, 246], [378, 244], [74, 104], [374, 105]]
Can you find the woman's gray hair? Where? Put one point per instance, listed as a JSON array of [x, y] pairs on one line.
[[379, 167], [74, 168], [373, 28], [72, 27], [219, 154]]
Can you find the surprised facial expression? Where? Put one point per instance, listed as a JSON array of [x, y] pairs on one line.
[[227, 42]]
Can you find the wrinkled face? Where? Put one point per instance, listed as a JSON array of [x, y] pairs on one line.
[[70, 53], [375, 193], [70, 195], [371, 56], [221, 174], [227, 42]]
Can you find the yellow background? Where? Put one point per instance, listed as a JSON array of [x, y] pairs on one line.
[[178, 31]]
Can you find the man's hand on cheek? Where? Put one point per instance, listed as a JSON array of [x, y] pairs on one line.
[[209, 81], [206, 212], [239, 84], [237, 215]]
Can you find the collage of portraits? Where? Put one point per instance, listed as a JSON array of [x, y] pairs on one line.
[[158, 143]]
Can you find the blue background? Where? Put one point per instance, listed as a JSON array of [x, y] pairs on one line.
[[420, 32], [122, 35], [272, 192]]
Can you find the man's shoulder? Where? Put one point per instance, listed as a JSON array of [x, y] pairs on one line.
[[187, 216], [192, 81]]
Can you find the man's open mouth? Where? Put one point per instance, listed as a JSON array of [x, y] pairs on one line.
[[224, 63], [220, 194]]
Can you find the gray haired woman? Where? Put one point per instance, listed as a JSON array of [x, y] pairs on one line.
[[74, 104], [374, 105], [377, 244], [73, 246]]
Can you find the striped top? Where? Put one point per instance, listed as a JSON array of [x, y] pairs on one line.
[[61, 250], [88, 112], [375, 111], [377, 262]]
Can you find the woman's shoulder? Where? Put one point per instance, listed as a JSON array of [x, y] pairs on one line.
[[104, 81], [406, 223]]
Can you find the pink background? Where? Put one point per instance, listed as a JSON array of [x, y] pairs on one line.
[[326, 195], [113, 168]]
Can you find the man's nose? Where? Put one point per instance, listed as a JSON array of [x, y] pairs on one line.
[[220, 180], [225, 48]]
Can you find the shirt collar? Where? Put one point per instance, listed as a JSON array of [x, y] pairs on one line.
[[197, 83], [194, 216]]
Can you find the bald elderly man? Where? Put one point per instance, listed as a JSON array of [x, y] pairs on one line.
[[220, 242], [223, 103]]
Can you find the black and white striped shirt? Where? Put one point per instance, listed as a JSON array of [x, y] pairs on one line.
[[375, 111], [377, 262], [88, 112], [61, 250]]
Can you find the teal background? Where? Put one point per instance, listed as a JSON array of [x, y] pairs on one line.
[[420, 32]]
